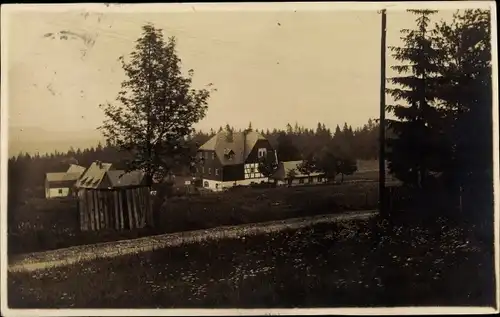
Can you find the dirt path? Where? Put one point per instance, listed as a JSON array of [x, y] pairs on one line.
[[67, 256]]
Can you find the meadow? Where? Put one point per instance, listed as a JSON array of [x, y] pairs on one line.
[[350, 264], [40, 224]]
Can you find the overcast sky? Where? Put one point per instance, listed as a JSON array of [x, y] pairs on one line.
[[269, 68]]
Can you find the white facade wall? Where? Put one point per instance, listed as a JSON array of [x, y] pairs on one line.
[[219, 185], [56, 192], [305, 181]]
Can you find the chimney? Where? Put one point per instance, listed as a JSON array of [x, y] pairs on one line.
[[245, 132], [229, 136]]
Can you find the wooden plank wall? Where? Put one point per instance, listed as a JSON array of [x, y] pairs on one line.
[[123, 209]]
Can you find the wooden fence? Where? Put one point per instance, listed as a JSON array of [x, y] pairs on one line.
[[119, 209]]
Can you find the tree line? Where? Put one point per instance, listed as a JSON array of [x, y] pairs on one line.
[[27, 171]]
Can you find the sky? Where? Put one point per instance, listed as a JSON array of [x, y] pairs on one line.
[[269, 67]]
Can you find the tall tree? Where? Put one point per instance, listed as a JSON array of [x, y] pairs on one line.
[[466, 95], [156, 107], [413, 153]]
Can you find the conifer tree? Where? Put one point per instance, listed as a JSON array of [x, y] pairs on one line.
[[415, 150]]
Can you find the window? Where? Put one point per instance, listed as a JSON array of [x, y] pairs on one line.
[[203, 170], [216, 172], [252, 169], [213, 155], [301, 181], [60, 191], [205, 184], [209, 171], [206, 155], [262, 152]]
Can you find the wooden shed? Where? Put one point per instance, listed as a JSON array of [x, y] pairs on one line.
[[113, 199]]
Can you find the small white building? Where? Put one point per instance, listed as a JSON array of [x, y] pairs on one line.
[[62, 184], [284, 172]]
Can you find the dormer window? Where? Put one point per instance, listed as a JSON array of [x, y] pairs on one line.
[[262, 152], [228, 154]]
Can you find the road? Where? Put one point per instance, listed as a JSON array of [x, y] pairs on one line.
[[67, 256]]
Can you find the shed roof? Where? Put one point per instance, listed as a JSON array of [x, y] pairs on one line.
[[93, 175], [75, 169], [62, 177], [284, 167], [120, 178], [223, 143]]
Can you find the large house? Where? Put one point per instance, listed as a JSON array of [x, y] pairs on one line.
[[232, 158], [62, 184], [288, 173]]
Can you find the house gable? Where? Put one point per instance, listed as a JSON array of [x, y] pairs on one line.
[[232, 148], [262, 148]]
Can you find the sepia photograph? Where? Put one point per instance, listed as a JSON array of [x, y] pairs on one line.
[[249, 158]]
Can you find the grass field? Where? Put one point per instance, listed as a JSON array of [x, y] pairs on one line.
[[43, 224], [363, 263]]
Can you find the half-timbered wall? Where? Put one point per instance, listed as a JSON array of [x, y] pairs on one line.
[[252, 171]]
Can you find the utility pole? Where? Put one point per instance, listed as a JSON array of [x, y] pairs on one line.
[[382, 192]]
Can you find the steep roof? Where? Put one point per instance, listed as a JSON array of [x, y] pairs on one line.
[[284, 167], [223, 143], [93, 175], [75, 169], [118, 178], [56, 177], [62, 177], [72, 174]]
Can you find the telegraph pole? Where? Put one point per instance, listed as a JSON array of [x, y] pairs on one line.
[[382, 193]]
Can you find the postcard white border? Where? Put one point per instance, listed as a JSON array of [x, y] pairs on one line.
[[187, 7]]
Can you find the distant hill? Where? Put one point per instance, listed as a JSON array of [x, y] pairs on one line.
[[34, 139]]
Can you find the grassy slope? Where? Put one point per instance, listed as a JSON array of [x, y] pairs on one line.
[[46, 225], [351, 264]]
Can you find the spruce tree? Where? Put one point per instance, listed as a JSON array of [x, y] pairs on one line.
[[415, 149], [466, 97]]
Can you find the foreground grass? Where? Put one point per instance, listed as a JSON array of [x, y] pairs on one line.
[[364, 263], [51, 224]]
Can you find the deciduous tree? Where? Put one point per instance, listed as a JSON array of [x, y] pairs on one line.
[[156, 108]]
